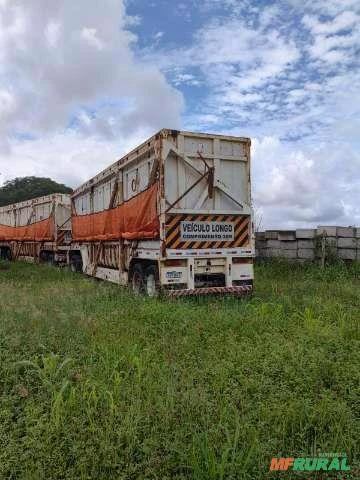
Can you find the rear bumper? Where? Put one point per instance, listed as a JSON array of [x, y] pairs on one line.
[[239, 291]]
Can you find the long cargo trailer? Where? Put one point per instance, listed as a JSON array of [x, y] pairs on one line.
[[37, 229], [173, 215]]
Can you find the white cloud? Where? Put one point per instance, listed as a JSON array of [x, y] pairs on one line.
[[93, 60], [235, 97], [90, 35], [232, 41], [297, 94], [343, 21], [185, 78], [8, 107], [52, 33], [7, 103], [235, 61], [72, 63], [295, 89], [302, 186], [273, 82], [334, 40], [327, 7], [69, 156], [158, 35]]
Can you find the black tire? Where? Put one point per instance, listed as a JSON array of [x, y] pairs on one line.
[[5, 254], [43, 257], [47, 257], [73, 266], [76, 265], [137, 279], [152, 282]]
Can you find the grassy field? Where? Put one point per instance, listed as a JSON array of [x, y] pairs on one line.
[[97, 384]]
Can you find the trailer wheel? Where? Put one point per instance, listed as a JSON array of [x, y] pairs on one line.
[[5, 253], [152, 283], [137, 279], [47, 257], [76, 263], [74, 266]]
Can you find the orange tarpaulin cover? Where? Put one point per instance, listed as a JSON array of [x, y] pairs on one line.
[[137, 218], [35, 232]]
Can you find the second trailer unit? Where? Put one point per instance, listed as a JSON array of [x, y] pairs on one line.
[[37, 229]]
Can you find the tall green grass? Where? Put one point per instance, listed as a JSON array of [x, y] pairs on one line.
[[97, 384]]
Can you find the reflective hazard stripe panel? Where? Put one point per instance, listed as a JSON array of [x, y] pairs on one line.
[[60, 237], [239, 291]]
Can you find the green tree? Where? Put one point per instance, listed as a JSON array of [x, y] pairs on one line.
[[26, 188]]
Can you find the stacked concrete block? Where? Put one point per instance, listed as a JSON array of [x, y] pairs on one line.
[[272, 252], [260, 236], [288, 253], [346, 243], [347, 253], [271, 234], [272, 246], [346, 232], [306, 254], [330, 234], [309, 243], [260, 244], [287, 235], [288, 244], [305, 233], [305, 243], [330, 231]]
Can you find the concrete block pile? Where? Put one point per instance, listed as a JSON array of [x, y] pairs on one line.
[[303, 244]]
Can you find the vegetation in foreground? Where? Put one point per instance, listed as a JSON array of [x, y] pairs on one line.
[[97, 384]]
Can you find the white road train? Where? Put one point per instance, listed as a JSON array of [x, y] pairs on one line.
[[173, 215]]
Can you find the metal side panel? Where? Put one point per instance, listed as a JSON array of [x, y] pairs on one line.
[[188, 159], [34, 210]]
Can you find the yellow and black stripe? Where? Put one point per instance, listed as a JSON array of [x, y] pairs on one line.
[[60, 237], [241, 231]]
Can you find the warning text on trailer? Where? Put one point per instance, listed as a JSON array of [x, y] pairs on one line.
[[207, 231]]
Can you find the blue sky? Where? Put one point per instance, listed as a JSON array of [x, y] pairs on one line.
[[82, 82]]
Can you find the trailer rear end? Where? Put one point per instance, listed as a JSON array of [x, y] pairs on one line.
[[37, 229], [207, 238], [174, 215]]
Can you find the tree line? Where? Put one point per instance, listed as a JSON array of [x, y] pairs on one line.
[[26, 188]]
